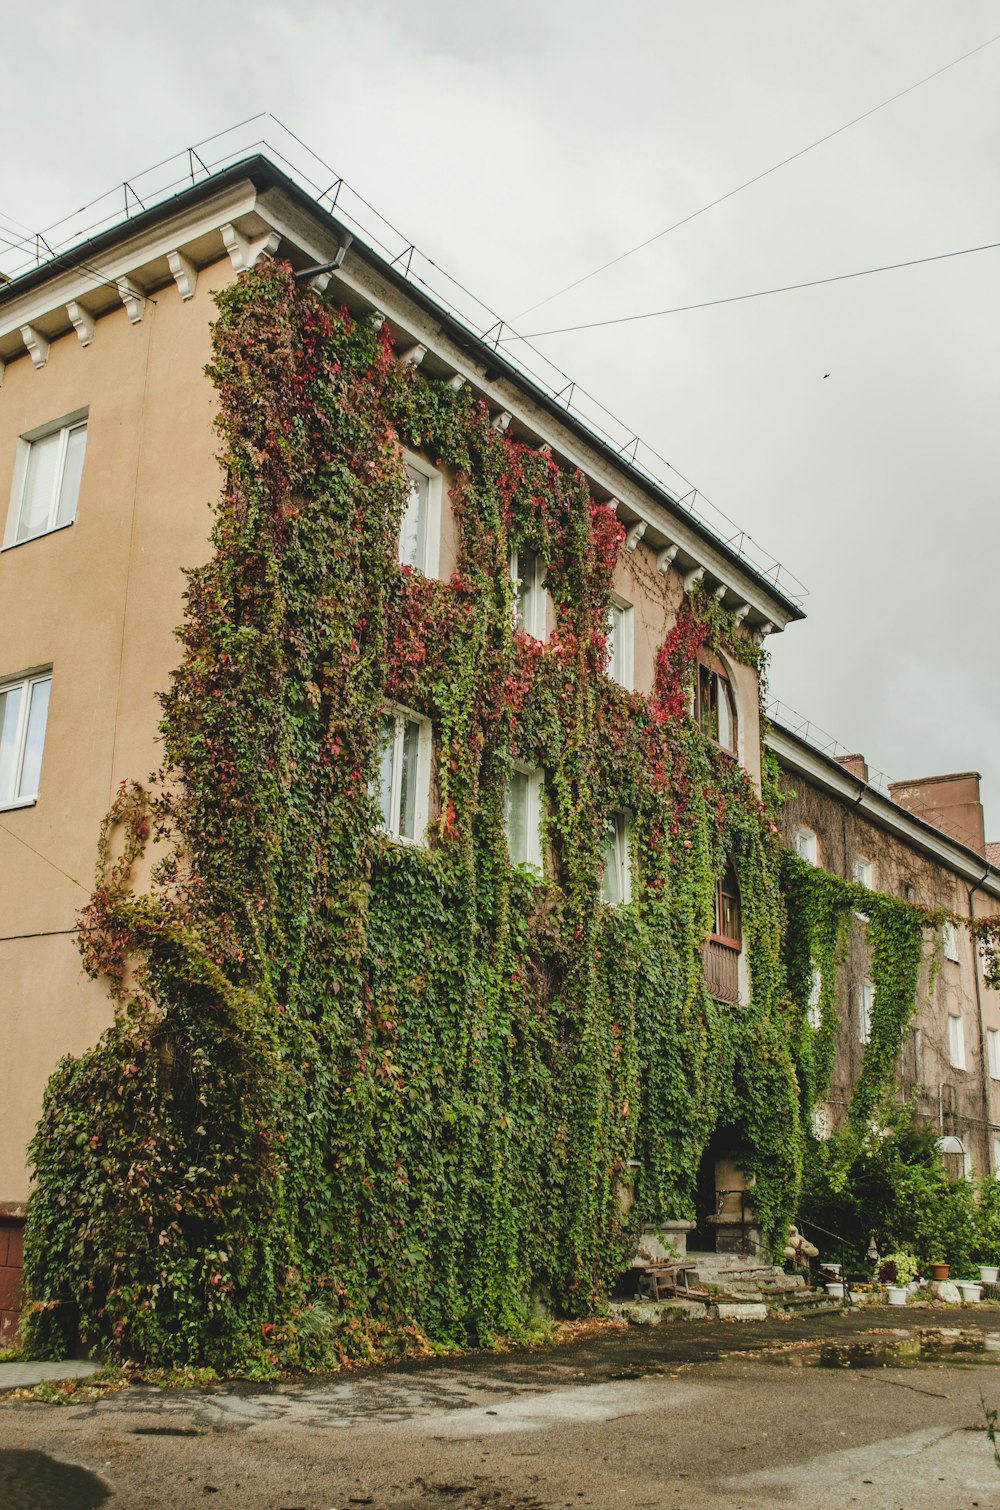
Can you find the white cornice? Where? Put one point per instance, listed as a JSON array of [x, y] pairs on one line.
[[799, 758]]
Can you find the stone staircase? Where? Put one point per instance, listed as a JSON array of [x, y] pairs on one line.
[[729, 1286]]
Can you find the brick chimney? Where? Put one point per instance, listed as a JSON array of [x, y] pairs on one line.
[[951, 803], [856, 764]]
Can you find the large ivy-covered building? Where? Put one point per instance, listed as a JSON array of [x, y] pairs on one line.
[[447, 943]]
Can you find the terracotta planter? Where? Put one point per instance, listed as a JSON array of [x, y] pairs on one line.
[[939, 1271]]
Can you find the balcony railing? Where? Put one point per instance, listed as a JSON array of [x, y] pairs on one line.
[[722, 972]]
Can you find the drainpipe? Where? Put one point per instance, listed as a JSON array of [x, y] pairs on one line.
[[983, 1063]]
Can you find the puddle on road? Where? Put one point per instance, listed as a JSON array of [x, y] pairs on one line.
[[898, 1349], [31, 1479]]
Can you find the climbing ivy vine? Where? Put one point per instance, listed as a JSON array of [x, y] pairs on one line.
[[358, 1092]]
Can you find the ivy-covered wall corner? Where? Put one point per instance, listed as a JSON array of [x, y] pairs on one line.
[[357, 1093]]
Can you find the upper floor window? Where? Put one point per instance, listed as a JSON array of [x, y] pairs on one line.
[[956, 1041], [993, 1052], [46, 480], [863, 872], [523, 815], [404, 774], [727, 922], [621, 643], [949, 940], [419, 532], [806, 846], [24, 707], [528, 572], [616, 876], [715, 705], [866, 996]]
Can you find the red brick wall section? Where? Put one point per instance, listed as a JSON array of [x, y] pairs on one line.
[[11, 1256]]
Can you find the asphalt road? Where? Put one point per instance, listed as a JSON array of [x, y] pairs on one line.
[[832, 1412]]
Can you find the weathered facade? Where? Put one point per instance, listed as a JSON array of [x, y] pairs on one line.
[[923, 843], [107, 443]]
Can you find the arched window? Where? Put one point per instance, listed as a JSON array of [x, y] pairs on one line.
[[954, 1157], [715, 705]]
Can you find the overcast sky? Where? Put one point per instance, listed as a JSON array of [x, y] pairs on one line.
[[523, 145]]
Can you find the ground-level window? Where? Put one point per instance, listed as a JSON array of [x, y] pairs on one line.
[[404, 773], [24, 707], [956, 1041], [523, 814], [993, 1052], [954, 1157], [616, 878], [815, 989]]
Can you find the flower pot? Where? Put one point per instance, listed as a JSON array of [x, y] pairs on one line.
[[970, 1290], [896, 1294], [988, 1273], [835, 1289], [940, 1271]]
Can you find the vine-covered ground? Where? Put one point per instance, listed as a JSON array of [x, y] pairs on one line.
[[359, 1091]]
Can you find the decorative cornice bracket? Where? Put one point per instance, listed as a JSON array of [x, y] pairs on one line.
[[665, 557], [634, 535], [133, 299], [693, 576], [185, 273], [82, 321], [244, 253], [38, 346]]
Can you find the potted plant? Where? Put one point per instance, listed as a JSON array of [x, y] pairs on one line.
[[939, 1271], [897, 1272]]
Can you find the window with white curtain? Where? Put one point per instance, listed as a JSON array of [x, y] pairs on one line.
[[616, 876], [522, 814], [47, 476], [404, 774], [24, 707]]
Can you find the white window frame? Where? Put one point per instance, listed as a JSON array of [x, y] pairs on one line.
[[956, 1040], [9, 799], [532, 858], [815, 1011], [620, 824], [996, 1158], [949, 940], [429, 556], [623, 652], [866, 996], [61, 427], [421, 812], [807, 846], [993, 1052], [538, 627], [863, 873]]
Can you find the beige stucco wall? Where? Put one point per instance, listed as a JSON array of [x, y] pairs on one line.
[[98, 602], [844, 836]]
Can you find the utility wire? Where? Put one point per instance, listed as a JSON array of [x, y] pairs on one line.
[[761, 293], [38, 852], [757, 178]]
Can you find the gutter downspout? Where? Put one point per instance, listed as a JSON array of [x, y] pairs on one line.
[[983, 1063]]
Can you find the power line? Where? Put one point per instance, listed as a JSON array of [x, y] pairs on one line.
[[757, 178], [761, 293], [46, 859]]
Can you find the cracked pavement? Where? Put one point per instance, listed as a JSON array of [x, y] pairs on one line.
[[691, 1415]]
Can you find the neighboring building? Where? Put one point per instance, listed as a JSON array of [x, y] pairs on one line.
[[923, 843], [108, 451]]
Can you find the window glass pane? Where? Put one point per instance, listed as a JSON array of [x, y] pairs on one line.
[[517, 817], [31, 766], [10, 709], [414, 527], [39, 486], [386, 730], [815, 987], [69, 490], [616, 644], [993, 1047], [410, 775], [724, 714], [612, 872], [526, 616]]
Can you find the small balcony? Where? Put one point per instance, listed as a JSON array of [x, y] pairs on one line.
[[722, 972]]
